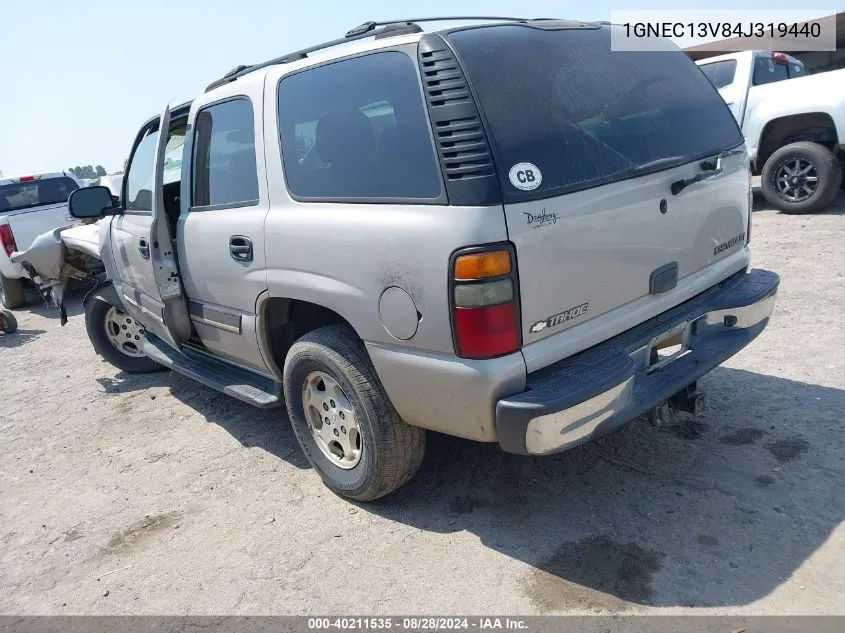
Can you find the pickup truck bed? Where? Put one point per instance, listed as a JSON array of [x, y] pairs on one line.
[[27, 224], [29, 207]]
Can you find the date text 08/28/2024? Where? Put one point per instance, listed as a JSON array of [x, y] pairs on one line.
[[417, 623]]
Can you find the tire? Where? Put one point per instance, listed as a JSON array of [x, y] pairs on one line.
[[391, 451], [97, 314], [8, 322], [12, 292], [825, 165]]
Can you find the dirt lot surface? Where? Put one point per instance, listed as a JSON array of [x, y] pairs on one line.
[[126, 494]]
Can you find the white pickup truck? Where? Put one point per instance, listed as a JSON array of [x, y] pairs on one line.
[[794, 130], [29, 206]]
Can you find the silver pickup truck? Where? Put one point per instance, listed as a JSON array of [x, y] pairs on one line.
[[497, 229], [29, 205]]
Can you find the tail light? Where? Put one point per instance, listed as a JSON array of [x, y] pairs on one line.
[[7, 240], [781, 58], [485, 306]]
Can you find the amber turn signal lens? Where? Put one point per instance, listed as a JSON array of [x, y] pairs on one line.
[[483, 265]]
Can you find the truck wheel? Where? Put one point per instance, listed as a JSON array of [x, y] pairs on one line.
[[801, 178], [344, 421], [11, 292], [8, 322], [117, 337]]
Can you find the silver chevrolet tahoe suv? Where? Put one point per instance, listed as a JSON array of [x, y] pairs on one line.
[[498, 229]]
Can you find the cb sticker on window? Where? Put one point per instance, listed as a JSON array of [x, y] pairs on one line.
[[525, 176]]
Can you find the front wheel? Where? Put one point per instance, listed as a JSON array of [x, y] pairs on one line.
[[117, 337], [344, 422], [801, 178]]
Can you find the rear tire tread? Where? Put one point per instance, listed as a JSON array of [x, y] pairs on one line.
[[401, 447], [14, 295]]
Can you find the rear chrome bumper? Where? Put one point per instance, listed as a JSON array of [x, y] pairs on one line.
[[597, 390]]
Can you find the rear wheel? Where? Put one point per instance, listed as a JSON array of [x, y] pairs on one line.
[[801, 178], [344, 422], [11, 292], [117, 337], [8, 322]]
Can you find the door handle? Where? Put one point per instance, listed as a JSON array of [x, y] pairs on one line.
[[144, 248], [240, 248]]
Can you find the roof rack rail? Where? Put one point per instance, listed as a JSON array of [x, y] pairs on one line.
[[369, 26], [401, 28], [367, 29]]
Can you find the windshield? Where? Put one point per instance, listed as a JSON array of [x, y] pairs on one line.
[[561, 102], [35, 193]]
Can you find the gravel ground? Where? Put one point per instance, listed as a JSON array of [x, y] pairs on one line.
[[153, 495]]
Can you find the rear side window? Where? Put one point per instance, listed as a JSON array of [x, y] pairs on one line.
[[35, 193], [224, 155], [357, 130], [767, 71], [720, 74], [562, 105]]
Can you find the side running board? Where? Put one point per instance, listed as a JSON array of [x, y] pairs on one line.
[[250, 387]]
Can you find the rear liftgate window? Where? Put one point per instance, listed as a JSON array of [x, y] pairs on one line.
[[566, 113]]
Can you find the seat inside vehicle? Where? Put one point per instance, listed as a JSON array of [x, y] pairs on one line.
[[234, 180], [345, 142]]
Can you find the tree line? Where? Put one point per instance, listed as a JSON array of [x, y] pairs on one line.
[[88, 171]]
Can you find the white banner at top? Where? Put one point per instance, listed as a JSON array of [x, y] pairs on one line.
[[721, 30]]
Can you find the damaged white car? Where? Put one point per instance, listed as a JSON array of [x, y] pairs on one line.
[[58, 256]]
